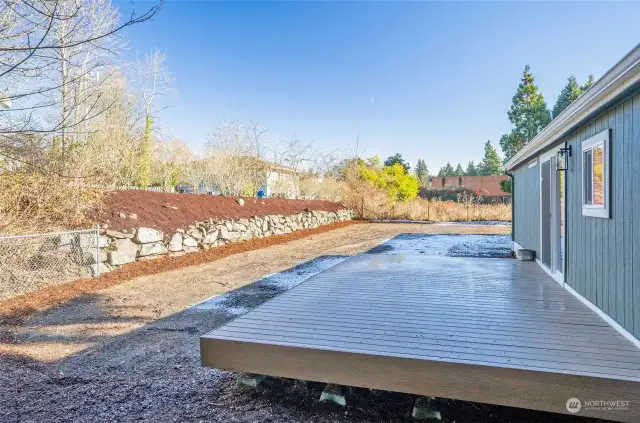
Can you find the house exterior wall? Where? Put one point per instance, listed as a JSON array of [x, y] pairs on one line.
[[281, 184], [485, 185], [527, 207], [452, 181], [437, 182], [603, 258]]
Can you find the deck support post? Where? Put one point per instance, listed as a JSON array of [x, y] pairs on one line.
[[334, 394], [423, 410], [251, 380]]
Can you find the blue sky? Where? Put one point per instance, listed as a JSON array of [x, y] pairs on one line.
[[428, 80]]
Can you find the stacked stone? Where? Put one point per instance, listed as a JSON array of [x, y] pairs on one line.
[[121, 247]]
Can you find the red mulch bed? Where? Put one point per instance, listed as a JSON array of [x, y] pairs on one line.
[[23, 305], [168, 212]]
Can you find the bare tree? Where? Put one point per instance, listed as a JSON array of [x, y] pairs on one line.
[[154, 81], [53, 56], [169, 162], [35, 34], [110, 154], [194, 172], [237, 165]]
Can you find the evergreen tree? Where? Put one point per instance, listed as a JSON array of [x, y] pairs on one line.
[[528, 114], [589, 83], [459, 170], [471, 169], [449, 170], [570, 93], [422, 172], [397, 158], [505, 185], [491, 163]]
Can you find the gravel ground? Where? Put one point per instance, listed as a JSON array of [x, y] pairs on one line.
[[131, 352]]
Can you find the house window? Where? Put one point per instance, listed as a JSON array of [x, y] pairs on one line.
[[595, 175]]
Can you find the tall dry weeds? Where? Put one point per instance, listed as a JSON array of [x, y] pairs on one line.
[[33, 202]]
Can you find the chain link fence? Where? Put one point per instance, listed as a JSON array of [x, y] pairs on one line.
[[32, 262]]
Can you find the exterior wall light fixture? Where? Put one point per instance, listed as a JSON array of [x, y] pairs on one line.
[[562, 159]]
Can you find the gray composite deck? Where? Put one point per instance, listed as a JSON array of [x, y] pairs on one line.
[[489, 330]]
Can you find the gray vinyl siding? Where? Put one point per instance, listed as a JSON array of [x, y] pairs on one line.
[[603, 254], [527, 207]]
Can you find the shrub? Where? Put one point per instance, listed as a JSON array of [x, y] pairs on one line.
[[394, 180]]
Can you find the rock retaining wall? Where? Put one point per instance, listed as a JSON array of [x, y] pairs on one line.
[[121, 247]]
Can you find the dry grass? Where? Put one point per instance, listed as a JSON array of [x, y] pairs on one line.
[[433, 210], [371, 203], [36, 202]]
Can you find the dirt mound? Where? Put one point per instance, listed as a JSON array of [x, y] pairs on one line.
[[168, 212]]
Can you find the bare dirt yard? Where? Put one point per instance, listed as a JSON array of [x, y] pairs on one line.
[[130, 352]]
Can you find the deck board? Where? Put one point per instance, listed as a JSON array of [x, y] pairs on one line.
[[495, 323]]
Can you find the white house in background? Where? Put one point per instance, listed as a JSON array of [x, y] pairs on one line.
[[282, 181]]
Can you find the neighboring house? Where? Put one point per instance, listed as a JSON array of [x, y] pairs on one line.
[[584, 222], [485, 186], [282, 181]]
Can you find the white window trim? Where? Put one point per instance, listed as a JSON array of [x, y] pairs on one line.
[[602, 211]]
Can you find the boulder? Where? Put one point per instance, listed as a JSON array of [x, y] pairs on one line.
[[148, 236], [118, 235], [211, 237], [239, 227], [66, 241], [89, 257], [224, 233], [152, 250], [123, 251], [195, 233], [189, 242], [175, 244], [89, 241]]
